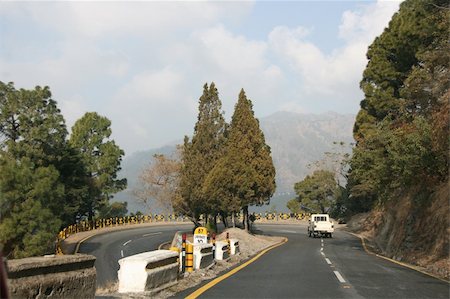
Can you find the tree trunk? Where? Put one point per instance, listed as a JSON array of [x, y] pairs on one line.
[[233, 219], [224, 219], [215, 222], [195, 221], [91, 213], [246, 221]]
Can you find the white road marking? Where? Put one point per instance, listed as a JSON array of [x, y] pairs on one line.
[[328, 261], [288, 231], [322, 253], [126, 243], [152, 234], [321, 249], [339, 276], [121, 253]]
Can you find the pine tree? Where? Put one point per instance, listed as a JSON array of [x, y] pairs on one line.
[[245, 175], [406, 86], [101, 157], [200, 154], [37, 169]]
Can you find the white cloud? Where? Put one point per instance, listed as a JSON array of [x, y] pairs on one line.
[[143, 64], [333, 78], [365, 24], [96, 19], [231, 53], [151, 87], [72, 109], [145, 108], [233, 62]]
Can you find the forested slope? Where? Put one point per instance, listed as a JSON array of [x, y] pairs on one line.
[[399, 168]]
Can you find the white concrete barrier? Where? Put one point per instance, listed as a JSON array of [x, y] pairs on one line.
[[234, 246], [222, 250], [148, 271], [203, 256]]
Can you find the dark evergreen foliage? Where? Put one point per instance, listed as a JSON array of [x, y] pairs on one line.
[[44, 181], [404, 115]]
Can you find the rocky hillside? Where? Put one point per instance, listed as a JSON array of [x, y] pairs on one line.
[[406, 232], [297, 140]]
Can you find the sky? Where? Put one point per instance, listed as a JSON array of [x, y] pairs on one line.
[[143, 64]]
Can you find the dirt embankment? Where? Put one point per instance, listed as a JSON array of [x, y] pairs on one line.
[[414, 233]]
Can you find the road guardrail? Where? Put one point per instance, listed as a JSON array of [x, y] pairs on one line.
[[148, 271]]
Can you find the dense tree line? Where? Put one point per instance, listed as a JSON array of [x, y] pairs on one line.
[[48, 180], [402, 128], [223, 169]]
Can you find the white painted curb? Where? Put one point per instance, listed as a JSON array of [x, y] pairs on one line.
[[234, 246], [147, 271], [221, 250], [203, 256]]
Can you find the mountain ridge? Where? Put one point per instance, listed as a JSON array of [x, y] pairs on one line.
[[296, 140]]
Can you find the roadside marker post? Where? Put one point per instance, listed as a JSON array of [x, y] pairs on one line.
[[214, 243], [228, 241], [183, 253], [189, 257]]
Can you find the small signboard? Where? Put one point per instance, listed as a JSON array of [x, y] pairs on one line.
[[200, 235]]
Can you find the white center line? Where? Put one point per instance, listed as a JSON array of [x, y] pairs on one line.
[[321, 249], [339, 277], [328, 261], [152, 234], [125, 244], [322, 253], [121, 253]]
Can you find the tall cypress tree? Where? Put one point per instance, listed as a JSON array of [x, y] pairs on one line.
[[245, 175], [201, 154]]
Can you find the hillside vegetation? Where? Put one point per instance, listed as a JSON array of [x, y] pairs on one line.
[[399, 168], [49, 179]]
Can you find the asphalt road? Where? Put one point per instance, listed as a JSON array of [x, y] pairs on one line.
[[109, 248], [323, 268]]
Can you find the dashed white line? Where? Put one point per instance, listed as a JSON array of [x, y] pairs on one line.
[[152, 234], [126, 243], [321, 249], [328, 261], [339, 276], [121, 253], [322, 253]]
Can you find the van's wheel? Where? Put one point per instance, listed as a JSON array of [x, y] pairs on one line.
[[331, 236]]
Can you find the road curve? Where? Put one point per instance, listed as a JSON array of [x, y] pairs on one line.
[[109, 248], [323, 268]]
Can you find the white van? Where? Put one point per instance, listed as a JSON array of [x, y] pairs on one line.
[[320, 225]]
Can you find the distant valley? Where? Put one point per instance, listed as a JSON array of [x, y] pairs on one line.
[[297, 140]]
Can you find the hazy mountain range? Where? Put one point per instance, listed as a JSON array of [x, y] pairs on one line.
[[297, 140]]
